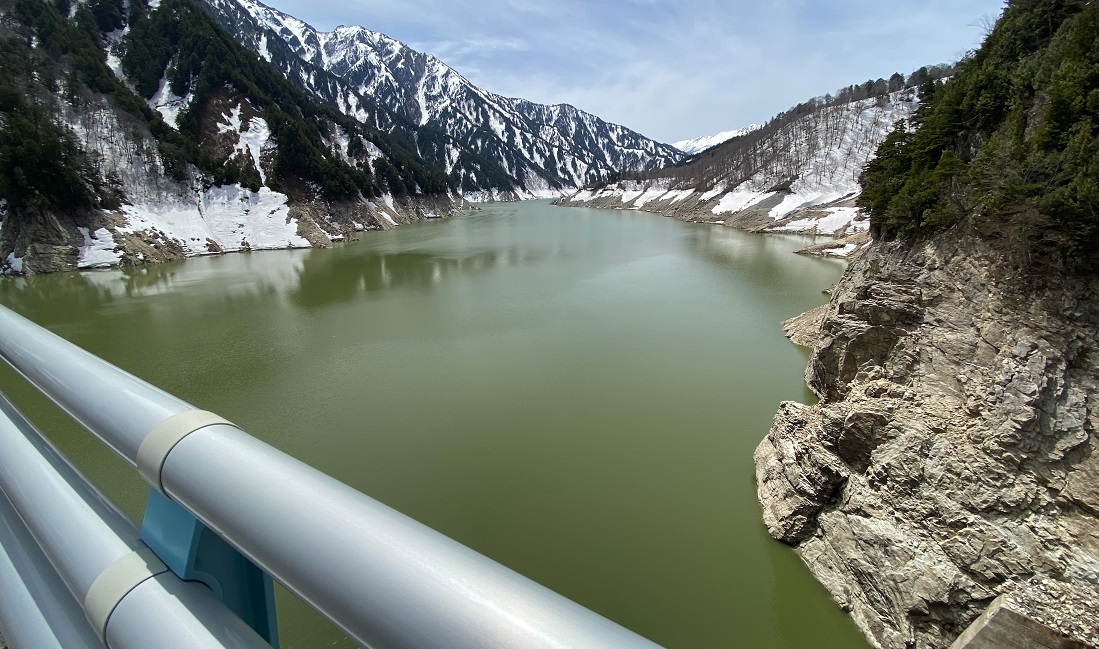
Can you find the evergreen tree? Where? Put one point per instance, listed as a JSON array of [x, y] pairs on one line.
[[1015, 130]]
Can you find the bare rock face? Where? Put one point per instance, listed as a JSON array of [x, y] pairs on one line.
[[954, 453]]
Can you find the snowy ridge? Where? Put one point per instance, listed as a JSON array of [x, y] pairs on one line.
[[533, 147], [700, 144], [799, 177], [823, 154]]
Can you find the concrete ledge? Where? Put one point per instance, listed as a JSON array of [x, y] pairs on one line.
[[1042, 614]]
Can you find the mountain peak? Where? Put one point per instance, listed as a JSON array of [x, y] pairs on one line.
[[700, 144], [485, 141]]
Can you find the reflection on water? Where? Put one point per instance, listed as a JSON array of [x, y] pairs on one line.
[[763, 257], [59, 296], [330, 277], [575, 393]]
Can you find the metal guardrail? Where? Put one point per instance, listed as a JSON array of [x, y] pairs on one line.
[[33, 600], [385, 580], [99, 570]]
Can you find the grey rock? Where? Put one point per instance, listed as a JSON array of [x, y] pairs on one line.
[[954, 454], [1043, 614], [804, 329]]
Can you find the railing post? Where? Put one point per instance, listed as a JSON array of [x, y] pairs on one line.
[[129, 597], [194, 553]]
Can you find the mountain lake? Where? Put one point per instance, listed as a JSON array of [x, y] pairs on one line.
[[575, 393]]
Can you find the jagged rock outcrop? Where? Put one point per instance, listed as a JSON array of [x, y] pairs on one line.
[[1041, 613], [954, 452]]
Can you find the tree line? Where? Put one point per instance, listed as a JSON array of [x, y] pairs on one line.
[[1012, 138]]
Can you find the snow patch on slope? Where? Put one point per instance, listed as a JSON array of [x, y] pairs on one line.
[[835, 219], [168, 104], [649, 196], [232, 217], [739, 200], [806, 196], [12, 264], [252, 137], [98, 250]]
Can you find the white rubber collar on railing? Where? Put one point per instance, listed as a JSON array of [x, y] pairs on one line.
[[115, 583], [163, 438]]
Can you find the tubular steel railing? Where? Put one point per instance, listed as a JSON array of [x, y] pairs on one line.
[[128, 596], [223, 498]]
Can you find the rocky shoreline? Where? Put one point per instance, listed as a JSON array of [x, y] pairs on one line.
[[953, 455], [53, 242]]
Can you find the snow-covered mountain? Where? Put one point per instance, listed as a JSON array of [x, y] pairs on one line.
[[486, 142], [798, 173], [700, 144], [170, 139]]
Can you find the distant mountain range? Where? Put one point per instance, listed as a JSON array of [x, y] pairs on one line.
[[485, 142]]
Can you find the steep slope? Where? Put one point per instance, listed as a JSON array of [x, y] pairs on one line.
[[954, 454], [797, 173], [485, 141], [138, 133]]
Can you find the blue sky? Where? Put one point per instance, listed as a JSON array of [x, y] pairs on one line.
[[670, 69]]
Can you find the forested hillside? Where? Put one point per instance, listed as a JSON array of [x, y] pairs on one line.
[[1013, 138], [114, 113], [797, 173]]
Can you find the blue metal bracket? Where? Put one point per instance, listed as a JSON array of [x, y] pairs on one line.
[[194, 553]]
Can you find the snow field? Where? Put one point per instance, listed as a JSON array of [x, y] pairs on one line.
[[233, 217]]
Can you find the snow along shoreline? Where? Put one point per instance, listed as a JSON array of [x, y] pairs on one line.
[[227, 219], [830, 214]]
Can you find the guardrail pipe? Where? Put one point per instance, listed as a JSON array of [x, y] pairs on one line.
[[381, 577], [117, 407], [36, 609], [127, 595]]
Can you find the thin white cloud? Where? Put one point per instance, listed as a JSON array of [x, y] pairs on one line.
[[472, 47]]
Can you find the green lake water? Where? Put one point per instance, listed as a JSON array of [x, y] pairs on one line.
[[575, 393]]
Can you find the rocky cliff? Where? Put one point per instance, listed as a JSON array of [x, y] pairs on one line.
[[954, 451]]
